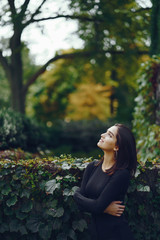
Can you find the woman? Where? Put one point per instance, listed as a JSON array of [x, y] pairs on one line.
[[105, 184]]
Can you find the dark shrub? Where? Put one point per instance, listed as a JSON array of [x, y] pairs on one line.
[[16, 130]]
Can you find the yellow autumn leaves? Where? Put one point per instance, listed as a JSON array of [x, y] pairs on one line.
[[90, 101]]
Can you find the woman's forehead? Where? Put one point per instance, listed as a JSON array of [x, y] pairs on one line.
[[113, 130]]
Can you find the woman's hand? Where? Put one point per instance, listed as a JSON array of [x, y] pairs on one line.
[[115, 209]]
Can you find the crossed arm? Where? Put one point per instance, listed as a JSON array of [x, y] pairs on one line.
[[105, 203], [115, 208]]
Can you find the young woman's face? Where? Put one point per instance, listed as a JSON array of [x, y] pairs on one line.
[[108, 139]]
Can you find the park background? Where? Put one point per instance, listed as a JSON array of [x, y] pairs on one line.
[[60, 89]]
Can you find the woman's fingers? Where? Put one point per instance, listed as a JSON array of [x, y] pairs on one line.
[[115, 208], [120, 210], [118, 202]]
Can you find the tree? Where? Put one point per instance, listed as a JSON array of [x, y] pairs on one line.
[[19, 16], [48, 97], [64, 89], [155, 50]]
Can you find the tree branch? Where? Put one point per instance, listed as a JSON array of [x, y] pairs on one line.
[[68, 56], [57, 57], [24, 7], [37, 11], [12, 7], [82, 18]]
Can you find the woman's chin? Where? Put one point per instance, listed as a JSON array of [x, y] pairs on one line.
[[99, 144]]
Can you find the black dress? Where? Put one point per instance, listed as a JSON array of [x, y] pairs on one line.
[[97, 191]]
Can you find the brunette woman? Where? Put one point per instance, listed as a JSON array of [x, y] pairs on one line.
[[105, 184]]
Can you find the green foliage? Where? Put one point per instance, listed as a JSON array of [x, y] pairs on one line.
[[16, 130], [144, 124], [155, 28], [112, 21], [114, 34], [119, 27], [142, 209], [37, 203], [49, 97], [78, 89], [36, 199], [4, 90]]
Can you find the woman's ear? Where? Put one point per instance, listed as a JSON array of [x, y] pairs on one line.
[[116, 148]]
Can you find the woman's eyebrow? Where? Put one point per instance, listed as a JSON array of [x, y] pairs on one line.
[[111, 133]]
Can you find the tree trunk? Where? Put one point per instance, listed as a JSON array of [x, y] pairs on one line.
[[16, 76], [17, 96]]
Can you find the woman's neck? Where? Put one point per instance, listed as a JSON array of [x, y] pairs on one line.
[[109, 160]]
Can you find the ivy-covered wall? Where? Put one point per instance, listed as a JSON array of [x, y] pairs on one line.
[[36, 200], [145, 126]]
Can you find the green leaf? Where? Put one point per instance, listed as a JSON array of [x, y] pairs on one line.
[[4, 227], [27, 207], [72, 234], [137, 173], [14, 225], [142, 188], [69, 192], [51, 186], [61, 236], [42, 185], [45, 231], [23, 230], [1, 197], [33, 224], [59, 212], [12, 201], [66, 166], [79, 225], [57, 223], [66, 216], [5, 172], [15, 177], [25, 193], [21, 215], [51, 203], [6, 190], [8, 211], [2, 183]]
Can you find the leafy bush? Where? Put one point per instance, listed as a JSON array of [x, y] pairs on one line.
[[37, 203], [17, 130], [144, 124], [142, 209], [32, 209]]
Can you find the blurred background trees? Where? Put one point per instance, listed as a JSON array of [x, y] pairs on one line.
[[94, 83], [114, 34]]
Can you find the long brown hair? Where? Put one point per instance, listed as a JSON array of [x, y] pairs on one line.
[[126, 156]]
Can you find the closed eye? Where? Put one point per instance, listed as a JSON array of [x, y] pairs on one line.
[[110, 135]]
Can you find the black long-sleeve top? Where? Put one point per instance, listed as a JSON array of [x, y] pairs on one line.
[[97, 191]]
